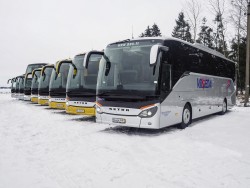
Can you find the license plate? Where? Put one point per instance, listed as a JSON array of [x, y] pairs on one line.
[[59, 105], [119, 120], [79, 110]]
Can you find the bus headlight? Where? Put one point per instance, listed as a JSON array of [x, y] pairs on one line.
[[98, 109], [149, 112]]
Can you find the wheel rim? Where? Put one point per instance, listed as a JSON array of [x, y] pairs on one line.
[[186, 116], [224, 107]]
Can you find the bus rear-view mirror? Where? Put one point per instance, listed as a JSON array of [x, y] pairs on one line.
[[91, 55], [28, 75], [59, 64], [154, 52]]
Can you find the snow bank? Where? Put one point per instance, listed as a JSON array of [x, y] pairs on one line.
[[46, 148]]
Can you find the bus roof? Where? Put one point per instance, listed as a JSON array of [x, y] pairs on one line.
[[37, 64], [80, 54], [195, 45]]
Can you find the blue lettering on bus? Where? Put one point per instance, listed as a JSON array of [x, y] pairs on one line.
[[204, 83]]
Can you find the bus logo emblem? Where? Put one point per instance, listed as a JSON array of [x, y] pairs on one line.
[[204, 83]]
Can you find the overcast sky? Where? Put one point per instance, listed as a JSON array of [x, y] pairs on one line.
[[37, 31]]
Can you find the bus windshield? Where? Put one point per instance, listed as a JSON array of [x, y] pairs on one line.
[[85, 79], [13, 84], [45, 78], [35, 80], [21, 83], [27, 83], [17, 84], [59, 81], [130, 72]]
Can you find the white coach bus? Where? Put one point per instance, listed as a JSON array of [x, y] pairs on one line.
[[158, 82]]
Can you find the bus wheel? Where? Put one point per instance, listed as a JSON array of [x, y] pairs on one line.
[[186, 117], [224, 107]]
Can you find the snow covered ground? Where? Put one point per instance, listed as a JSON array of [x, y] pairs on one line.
[[4, 91], [43, 148]]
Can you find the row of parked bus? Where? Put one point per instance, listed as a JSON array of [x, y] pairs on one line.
[[144, 83]]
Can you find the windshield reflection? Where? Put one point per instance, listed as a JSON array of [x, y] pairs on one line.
[[85, 80], [58, 81], [125, 70], [45, 78], [35, 80]]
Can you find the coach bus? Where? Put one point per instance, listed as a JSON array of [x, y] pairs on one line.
[[57, 86], [157, 82], [20, 89], [28, 79], [18, 82], [81, 86], [36, 73], [43, 88], [13, 86]]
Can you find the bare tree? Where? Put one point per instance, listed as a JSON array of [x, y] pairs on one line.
[[238, 16], [218, 9], [193, 12]]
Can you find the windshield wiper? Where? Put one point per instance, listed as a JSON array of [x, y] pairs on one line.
[[72, 92], [151, 96], [106, 93]]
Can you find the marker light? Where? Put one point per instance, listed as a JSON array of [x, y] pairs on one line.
[[98, 109], [148, 112]]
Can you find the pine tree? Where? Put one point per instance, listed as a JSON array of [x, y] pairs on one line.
[[148, 32], [155, 31], [142, 35], [242, 63], [220, 43], [205, 36], [182, 29]]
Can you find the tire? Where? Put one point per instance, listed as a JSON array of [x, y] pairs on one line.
[[186, 117], [224, 107]]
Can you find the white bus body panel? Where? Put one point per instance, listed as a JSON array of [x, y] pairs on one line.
[[43, 97], [80, 104], [57, 99], [26, 97], [204, 99], [34, 95], [21, 96], [204, 93]]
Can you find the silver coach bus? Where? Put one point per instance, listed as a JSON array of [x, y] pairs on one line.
[[158, 82]]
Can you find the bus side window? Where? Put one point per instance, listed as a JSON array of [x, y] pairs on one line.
[[166, 77], [194, 60]]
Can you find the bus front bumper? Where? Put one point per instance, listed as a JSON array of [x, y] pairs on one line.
[[129, 121], [44, 102], [57, 105], [34, 99], [21, 96], [80, 110], [26, 97]]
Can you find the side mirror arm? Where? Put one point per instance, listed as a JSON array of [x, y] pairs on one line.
[[155, 51], [87, 57]]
